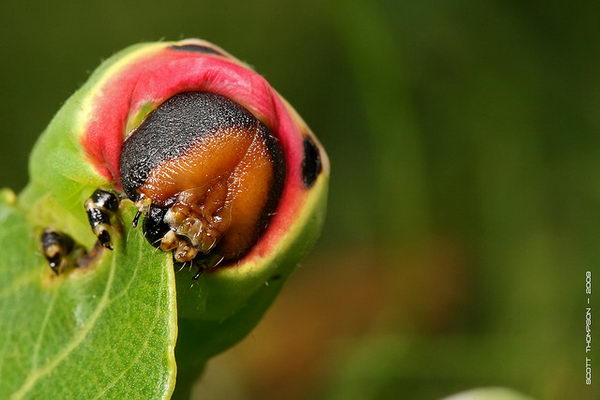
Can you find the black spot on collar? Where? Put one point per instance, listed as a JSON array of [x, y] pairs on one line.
[[311, 164], [195, 48]]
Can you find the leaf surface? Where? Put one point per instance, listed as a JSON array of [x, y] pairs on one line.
[[104, 331]]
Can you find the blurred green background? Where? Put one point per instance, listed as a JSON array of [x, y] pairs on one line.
[[464, 201]]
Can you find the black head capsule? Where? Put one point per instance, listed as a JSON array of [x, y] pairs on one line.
[[56, 246]]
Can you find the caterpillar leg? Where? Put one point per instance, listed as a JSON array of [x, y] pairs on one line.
[[56, 246], [211, 262], [99, 208]]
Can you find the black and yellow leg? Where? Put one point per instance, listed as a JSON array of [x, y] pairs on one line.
[[99, 208], [56, 246]]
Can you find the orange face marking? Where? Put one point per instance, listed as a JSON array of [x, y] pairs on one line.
[[218, 190]]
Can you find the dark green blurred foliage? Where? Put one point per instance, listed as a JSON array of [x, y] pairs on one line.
[[464, 203]]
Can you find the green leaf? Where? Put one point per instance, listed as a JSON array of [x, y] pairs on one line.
[[104, 331]]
